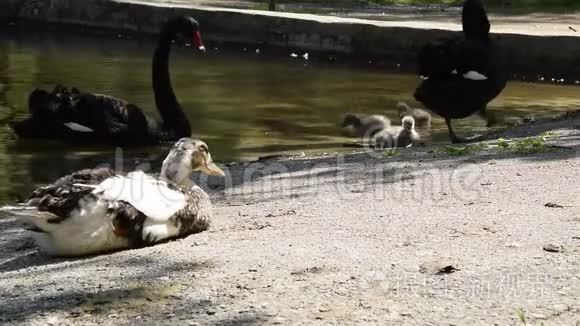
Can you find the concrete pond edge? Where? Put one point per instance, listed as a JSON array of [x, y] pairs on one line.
[[528, 56]]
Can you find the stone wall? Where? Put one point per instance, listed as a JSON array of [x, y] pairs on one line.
[[551, 56]]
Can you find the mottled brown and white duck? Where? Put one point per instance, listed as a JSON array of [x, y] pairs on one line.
[[98, 210]]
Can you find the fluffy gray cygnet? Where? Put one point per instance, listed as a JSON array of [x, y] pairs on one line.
[[398, 136], [366, 126]]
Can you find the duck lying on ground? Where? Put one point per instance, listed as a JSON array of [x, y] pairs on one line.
[[97, 210], [365, 126], [398, 136], [462, 74], [87, 117]]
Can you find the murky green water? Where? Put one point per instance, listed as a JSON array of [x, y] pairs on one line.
[[244, 105]]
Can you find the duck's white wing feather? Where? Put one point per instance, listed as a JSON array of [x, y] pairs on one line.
[[154, 198]]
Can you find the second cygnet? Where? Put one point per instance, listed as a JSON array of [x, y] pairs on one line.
[[422, 117], [398, 136], [366, 126]]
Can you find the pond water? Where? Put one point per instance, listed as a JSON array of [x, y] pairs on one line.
[[243, 104]]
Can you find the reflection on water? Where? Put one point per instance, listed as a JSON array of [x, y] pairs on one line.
[[244, 106]]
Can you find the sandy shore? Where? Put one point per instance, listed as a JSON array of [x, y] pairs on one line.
[[420, 238]]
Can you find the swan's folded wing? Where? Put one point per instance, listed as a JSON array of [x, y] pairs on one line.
[[157, 199], [73, 126]]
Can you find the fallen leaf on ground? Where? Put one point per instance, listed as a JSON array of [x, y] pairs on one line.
[[553, 247], [438, 267], [552, 205]]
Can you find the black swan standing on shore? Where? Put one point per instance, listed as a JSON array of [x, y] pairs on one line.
[[73, 115], [463, 74]]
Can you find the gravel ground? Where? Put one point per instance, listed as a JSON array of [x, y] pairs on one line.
[[421, 238]]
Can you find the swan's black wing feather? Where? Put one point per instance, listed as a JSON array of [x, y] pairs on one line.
[[440, 57], [103, 118], [453, 97], [435, 59], [104, 114], [471, 55], [117, 120]]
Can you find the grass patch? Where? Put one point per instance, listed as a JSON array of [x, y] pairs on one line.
[[469, 149], [521, 314], [391, 152], [529, 145], [502, 143]]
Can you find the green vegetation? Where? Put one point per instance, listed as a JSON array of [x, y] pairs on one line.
[[502, 143], [521, 314], [457, 151], [391, 152], [529, 145]]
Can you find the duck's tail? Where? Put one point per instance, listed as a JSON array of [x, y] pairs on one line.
[[40, 221]]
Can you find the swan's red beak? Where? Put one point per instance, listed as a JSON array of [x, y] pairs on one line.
[[198, 42]]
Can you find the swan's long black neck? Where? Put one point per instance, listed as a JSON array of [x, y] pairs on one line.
[[175, 122], [475, 21]]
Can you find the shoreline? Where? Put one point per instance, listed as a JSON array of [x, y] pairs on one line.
[[524, 128]]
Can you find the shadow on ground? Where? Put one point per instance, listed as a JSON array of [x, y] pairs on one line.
[[143, 285]]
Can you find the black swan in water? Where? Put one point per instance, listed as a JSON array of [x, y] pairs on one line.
[[79, 116], [462, 75]]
